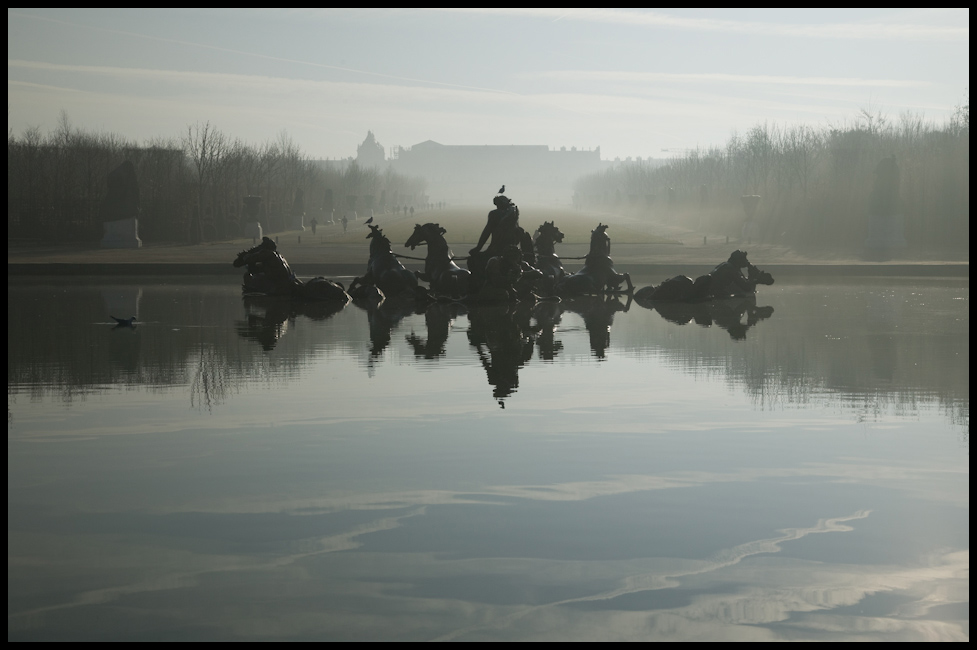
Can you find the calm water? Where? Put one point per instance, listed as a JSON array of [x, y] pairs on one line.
[[226, 470]]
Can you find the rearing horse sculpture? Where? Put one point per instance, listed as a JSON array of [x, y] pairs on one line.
[[383, 269], [597, 275], [547, 261], [444, 276]]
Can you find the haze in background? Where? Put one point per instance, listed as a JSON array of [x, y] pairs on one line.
[[633, 83]]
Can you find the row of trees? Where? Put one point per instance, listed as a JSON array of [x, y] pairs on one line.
[[190, 188], [816, 184]]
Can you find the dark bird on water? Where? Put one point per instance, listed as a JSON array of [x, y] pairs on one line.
[[370, 220], [124, 322], [502, 189]]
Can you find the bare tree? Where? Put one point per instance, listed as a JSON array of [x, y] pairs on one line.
[[206, 148]]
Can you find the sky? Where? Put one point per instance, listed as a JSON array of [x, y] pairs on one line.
[[648, 83]]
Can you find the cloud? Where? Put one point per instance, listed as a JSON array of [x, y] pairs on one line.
[[854, 31], [666, 77]]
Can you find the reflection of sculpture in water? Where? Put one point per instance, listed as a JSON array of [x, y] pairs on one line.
[[438, 318], [270, 275], [503, 339], [598, 317], [727, 314], [724, 281], [548, 314], [267, 317], [597, 275], [383, 316], [265, 320]]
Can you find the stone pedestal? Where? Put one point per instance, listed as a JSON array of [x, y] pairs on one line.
[[123, 233]]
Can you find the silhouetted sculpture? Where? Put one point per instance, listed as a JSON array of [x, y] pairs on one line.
[[508, 278], [547, 261], [121, 209], [724, 281], [597, 275], [269, 275], [885, 224], [383, 269], [750, 204], [444, 276], [122, 195], [502, 227]]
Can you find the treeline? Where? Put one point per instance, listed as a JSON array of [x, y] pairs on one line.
[[815, 184], [190, 188]]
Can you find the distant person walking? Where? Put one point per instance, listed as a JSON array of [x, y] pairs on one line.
[[412, 211], [313, 223], [345, 223]]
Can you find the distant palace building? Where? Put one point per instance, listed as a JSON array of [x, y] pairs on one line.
[[473, 173], [370, 153]]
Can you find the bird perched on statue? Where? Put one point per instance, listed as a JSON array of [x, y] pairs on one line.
[[502, 190], [124, 322], [369, 221]]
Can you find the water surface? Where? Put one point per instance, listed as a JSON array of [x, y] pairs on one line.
[[796, 470]]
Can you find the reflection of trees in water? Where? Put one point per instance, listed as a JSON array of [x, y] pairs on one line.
[[211, 378], [881, 347], [61, 342]]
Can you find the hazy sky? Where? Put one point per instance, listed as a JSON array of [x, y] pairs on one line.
[[632, 82]]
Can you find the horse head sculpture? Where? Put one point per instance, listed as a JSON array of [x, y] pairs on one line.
[[383, 270], [598, 275], [440, 270], [427, 234]]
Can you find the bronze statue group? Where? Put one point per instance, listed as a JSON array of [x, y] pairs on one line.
[[506, 265], [513, 290]]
